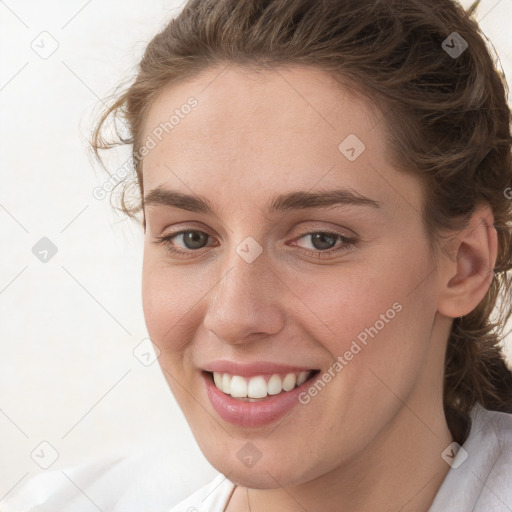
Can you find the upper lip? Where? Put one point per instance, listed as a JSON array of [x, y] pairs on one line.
[[252, 368]]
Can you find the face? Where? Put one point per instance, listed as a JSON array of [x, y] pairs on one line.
[[300, 254]]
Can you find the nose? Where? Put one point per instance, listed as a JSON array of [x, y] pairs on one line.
[[244, 303]]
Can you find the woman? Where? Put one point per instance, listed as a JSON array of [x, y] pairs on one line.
[[323, 190], [327, 230]]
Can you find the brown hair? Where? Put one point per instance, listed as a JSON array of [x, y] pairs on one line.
[[446, 117]]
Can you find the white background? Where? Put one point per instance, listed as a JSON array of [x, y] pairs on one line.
[[68, 327]]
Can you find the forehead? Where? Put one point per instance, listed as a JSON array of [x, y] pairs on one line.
[[289, 127], [302, 103]]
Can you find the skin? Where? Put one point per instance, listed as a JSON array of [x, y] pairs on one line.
[[372, 438]]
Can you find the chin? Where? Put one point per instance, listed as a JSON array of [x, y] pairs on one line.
[[271, 471]]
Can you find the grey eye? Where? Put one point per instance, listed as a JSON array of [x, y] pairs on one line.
[[193, 239]]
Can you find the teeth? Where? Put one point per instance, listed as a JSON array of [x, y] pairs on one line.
[[217, 378], [259, 386], [238, 387], [303, 377], [226, 384], [289, 382], [275, 385]]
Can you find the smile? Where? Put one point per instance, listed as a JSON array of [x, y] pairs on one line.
[[255, 400], [260, 386]]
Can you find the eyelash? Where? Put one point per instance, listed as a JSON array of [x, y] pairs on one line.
[[346, 244]]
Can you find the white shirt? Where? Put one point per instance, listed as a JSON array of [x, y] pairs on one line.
[[481, 483]]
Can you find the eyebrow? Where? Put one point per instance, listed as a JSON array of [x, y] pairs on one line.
[[282, 203]]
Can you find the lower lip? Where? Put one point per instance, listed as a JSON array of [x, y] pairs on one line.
[[251, 414]]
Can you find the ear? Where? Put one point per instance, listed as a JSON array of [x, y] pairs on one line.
[[468, 270]]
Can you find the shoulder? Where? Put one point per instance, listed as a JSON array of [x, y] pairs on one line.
[[210, 498], [149, 480], [496, 444], [480, 478]]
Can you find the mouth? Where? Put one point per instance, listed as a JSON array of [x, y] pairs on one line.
[[252, 401], [259, 387]]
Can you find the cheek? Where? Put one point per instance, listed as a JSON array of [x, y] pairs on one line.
[[168, 302], [375, 325], [174, 299], [168, 305], [351, 300], [379, 318]]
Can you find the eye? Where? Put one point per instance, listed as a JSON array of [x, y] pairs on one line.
[[324, 242], [191, 240]]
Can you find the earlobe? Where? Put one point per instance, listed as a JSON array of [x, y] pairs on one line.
[[467, 276]]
